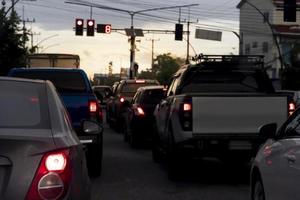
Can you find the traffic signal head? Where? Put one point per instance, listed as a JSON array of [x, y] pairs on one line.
[[178, 31], [103, 28], [289, 10], [79, 27], [90, 27]]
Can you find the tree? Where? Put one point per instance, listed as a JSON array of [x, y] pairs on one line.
[[166, 65], [12, 49], [147, 74]]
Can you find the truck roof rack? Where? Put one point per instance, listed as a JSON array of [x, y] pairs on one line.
[[236, 60]]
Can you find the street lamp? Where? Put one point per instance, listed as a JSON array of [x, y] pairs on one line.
[[132, 14], [43, 40]]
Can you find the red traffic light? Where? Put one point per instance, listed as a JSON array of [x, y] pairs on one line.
[[79, 26], [90, 27]]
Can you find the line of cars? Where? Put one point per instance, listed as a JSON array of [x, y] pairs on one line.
[[224, 107], [51, 134]]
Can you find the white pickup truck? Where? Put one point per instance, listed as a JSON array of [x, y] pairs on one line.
[[215, 108]]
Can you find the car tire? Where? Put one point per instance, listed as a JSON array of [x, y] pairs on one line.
[[133, 140], [258, 190], [94, 159], [174, 160], [157, 155]]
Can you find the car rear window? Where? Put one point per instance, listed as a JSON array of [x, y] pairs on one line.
[[65, 82], [152, 96], [130, 89], [23, 104]]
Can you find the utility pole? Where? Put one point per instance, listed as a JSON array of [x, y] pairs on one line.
[[188, 21], [24, 27], [152, 52]]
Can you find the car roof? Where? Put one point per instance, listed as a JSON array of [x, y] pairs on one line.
[[137, 80], [46, 69], [23, 80], [151, 87], [101, 86]]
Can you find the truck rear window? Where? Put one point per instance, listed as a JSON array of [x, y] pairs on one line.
[[153, 96], [23, 104], [226, 81], [65, 82]]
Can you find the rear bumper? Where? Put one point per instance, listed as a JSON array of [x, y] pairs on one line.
[[220, 144]]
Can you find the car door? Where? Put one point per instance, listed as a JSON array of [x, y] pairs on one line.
[[281, 173]]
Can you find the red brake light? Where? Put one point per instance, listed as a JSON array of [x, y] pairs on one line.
[[93, 106], [52, 177], [140, 81], [122, 99], [187, 107], [292, 108], [56, 162], [140, 111]]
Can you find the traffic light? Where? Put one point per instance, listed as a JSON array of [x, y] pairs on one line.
[[103, 28], [90, 27], [289, 10], [79, 27], [178, 31]]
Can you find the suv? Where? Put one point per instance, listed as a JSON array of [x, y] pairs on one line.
[[77, 94], [123, 94]]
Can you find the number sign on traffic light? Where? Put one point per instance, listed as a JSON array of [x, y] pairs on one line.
[[103, 28], [79, 26], [178, 31], [90, 27]]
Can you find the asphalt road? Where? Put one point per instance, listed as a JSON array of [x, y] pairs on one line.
[[130, 174]]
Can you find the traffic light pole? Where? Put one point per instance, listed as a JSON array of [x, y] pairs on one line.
[[132, 49]]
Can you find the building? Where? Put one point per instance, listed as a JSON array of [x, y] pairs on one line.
[[256, 19]]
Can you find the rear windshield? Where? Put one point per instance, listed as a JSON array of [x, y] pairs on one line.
[[152, 96], [22, 105], [130, 89], [226, 81], [65, 82]]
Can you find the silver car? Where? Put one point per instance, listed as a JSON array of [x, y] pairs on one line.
[[275, 173], [40, 154]]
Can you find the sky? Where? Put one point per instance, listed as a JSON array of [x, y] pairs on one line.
[[55, 20]]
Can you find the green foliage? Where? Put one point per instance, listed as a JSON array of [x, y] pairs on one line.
[[166, 65], [12, 49], [148, 74]]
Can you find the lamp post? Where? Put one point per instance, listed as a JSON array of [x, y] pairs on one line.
[[132, 14], [43, 40]]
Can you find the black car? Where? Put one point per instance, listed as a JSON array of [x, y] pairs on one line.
[[138, 121], [102, 93], [123, 94]]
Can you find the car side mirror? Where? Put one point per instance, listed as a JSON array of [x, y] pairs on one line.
[[91, 127], [268, 130]]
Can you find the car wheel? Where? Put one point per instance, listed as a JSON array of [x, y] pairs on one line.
[[125, 132], [157, 156], [258, 190], [174, 161], [94, 159], [133, 140]]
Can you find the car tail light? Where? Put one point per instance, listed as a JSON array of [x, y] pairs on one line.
[[138, 111], [93, 106], [140, 81], [52, 177], [122, 99], [186, 114], [291, 108]]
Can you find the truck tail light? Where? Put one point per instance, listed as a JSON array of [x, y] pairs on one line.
[[52, 178], [291, 108], [93, 106], [186, 114]]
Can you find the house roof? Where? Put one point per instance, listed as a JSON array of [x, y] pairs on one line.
[[278, 3]]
